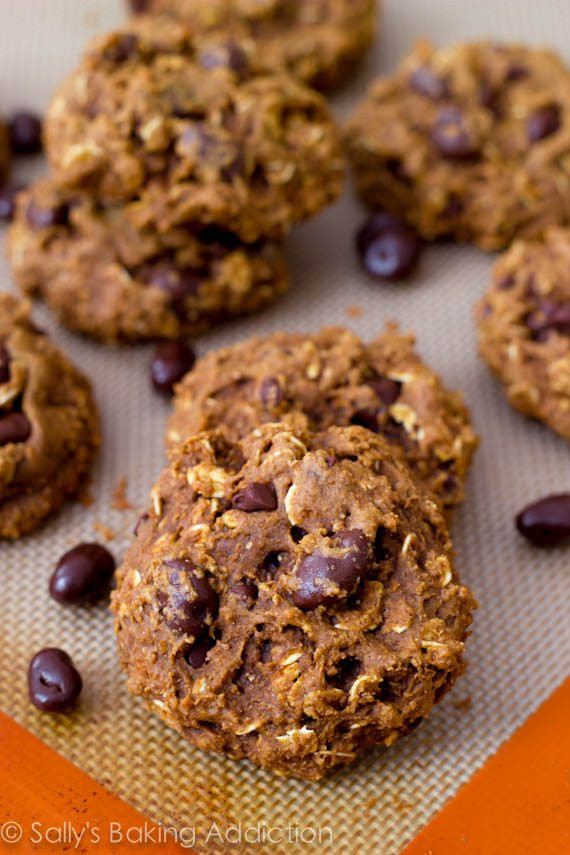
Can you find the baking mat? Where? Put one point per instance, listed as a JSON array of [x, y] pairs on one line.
[[520, 649]]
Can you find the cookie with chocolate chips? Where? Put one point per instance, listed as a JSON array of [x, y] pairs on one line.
[[197, 133], [105, 277], [334, 378], [48, 424], [291, 597], [470, 142], [524, 328], [318, 41]]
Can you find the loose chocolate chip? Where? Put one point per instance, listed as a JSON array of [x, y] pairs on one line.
[[25, 133], [82, 575], [428, 83], [4, 364], [543, 123], [546, 522], [171, 361], [125, 47], [191, 617], [451, 137], [14, 427], [8, 196], [387, 390], [375, 225], [227, 55], [245, 590], [195, 655], [54, 684], [393, 254], [44, 218], [271, 393], [318, 573], [366, 418], [255, 497]]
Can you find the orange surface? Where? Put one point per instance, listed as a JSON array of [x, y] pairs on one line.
[[519, 802], [39, 786]]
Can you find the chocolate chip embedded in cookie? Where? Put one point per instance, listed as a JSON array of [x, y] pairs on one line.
[[470, 141], [524, 328], [291, 598], [319, 41], [194, 142], [333, 378], [107, 278], [48, 424]]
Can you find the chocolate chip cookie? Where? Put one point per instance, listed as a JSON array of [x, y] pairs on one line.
[[318, 41], [108, 278], [524, 328], [333, 378], [470, 142], [196, 135], [48, 423], [291, 597]]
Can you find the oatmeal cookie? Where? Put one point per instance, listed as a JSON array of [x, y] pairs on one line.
[[524, 328], [470, 142], [318, 41], [104, 277], [48, 423], [194, 135], [291, 597], [333, 378]]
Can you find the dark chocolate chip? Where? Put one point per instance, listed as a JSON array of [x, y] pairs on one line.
[[426, 82], [375, 225], [387, 390], [451, 137], [14, 427], [196, 655], [178, 283], [543, 123], [4, 364], [255, 497], [271, 393], [316, 573], [191, 616], [82, 575], [25, 133], [245, 590], [546, 522], [171, 361], [54, 684], [227, 55], [125, 47], [297, 533], [393, 254], [44, 218], [366, 418], [549, 317], [8, 196]]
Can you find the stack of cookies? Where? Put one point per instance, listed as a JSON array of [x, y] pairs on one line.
[[180, 161]]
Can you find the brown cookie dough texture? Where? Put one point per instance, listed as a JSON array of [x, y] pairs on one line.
[[334, 378], [5, 151], [48, 423], [199, 134], [524, 328], [291, 598], [318, 41], [105, 277], [470, 142]]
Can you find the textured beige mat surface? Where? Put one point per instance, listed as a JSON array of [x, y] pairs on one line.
[[520, 648]]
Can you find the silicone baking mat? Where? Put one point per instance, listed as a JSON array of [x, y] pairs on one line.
[[520, 649]]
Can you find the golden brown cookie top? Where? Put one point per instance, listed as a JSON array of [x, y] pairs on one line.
[[291, 597], [334, 378], [192, 139]]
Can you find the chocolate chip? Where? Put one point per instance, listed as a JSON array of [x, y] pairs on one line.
[[271, 393], [366, 418], [245, 590], [331, 460], [255, 497], [320, 574], [4, 364], [376, 224], [546, 522], [139, 7], [543, 123], [125, 47], [227, 55], [171, 361], [44, 218], [25, 133], [8, 196], [392, 253], [549, 317], [178, 283], [426, 82], [14, 427], [387, 390], [191, 616], [196, 655], [54, 684], [297, 533], [451, 137], [82, 575]]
